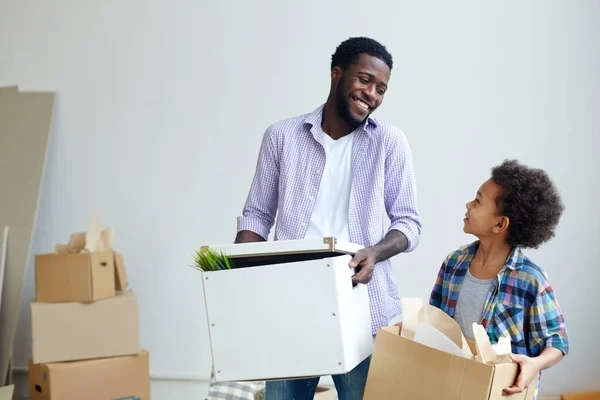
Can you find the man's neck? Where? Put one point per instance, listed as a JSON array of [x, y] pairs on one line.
[[333, 124], [490, 257]]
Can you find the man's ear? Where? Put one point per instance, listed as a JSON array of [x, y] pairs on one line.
[[336, 74], [501, 225]]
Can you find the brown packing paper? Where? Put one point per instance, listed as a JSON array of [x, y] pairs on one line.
[[416, 312], [488, 353], [77, 243], [108, 238], [410, 316], [93, 237], [97, 240], [121, 282]]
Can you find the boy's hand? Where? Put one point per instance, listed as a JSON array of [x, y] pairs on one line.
[[365, 259], [528, 369]]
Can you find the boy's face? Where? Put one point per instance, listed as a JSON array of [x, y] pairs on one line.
[[482, 218]]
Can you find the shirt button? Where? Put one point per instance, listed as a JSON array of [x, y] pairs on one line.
[[318, 172], [311, 198], [303, 225]]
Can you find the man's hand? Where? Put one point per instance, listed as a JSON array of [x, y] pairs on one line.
[[528, 369], [365, 260], [248, 237]]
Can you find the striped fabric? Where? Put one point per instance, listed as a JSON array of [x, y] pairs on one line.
[[521, 303], [235, 390]]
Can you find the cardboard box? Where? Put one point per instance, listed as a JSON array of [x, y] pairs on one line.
[[86, 269], [126, 378], [275, 317], [81, 277], [401, 367], [581, 396], [79, 331]]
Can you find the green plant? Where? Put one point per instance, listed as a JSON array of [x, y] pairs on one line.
[[209, 260]]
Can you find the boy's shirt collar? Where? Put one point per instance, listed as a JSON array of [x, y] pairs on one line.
[[514, 261]]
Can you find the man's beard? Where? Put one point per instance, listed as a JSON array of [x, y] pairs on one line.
[[343, 106]]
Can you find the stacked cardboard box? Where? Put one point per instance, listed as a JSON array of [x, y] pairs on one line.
[[85, 327]]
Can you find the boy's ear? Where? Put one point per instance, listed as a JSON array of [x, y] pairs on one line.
[[501, 225]]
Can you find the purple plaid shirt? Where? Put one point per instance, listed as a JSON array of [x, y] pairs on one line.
[[286, 184]]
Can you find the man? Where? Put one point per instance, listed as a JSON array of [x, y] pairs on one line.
[[332, 173]]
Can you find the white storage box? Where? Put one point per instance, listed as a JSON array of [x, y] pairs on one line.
[[289, 309]]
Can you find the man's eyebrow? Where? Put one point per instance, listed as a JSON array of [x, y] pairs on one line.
[[371, 76]]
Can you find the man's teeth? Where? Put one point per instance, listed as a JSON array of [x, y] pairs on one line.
[[362, 104]]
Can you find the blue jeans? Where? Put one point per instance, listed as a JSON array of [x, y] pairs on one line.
[[350, 386]]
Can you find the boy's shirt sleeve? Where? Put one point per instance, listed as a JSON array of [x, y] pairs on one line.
[[435, 299], [547, 327]]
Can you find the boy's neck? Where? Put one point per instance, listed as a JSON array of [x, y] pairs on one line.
[[490, 258]]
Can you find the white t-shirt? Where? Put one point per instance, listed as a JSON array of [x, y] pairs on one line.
[[330, 213]]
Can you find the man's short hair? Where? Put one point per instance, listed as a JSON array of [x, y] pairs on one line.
[[349, 51]]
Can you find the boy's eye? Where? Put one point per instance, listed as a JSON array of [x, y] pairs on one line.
[[363, 80]]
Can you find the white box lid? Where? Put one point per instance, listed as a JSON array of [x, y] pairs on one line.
[[281, 251], [302, 246]]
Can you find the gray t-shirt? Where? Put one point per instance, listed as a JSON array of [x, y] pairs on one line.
[[469, 307]]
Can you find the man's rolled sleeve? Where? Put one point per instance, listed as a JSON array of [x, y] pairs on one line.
[[401, 191], [260, 208]]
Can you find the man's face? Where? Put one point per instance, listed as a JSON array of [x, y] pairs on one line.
[[482, 218], [360, 88]]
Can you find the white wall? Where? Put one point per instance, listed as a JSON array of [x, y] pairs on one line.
[[161, 108]]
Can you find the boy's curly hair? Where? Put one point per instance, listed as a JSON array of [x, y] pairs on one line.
[[530, 200]]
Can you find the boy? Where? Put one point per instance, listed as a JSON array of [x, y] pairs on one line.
[[491, 281]]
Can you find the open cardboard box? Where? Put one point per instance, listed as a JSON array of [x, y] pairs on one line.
[[403, 367], [86, 269], [288, 310]]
